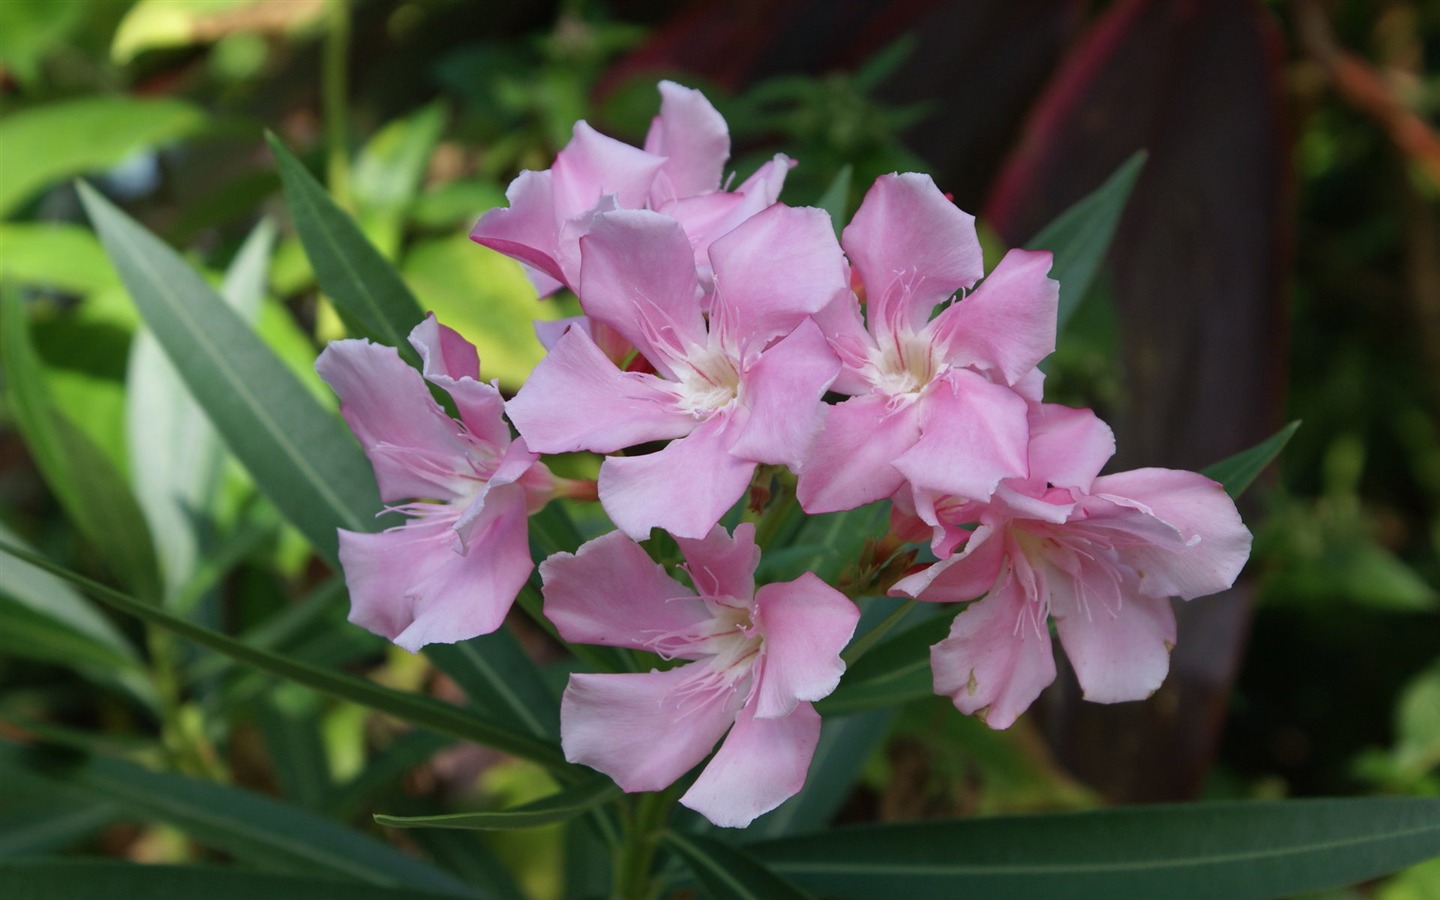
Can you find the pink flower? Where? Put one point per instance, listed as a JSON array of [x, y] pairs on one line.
[[1099, 555], [452, 571], [757, 660], [938, 402], [678, 173], [740, 388]]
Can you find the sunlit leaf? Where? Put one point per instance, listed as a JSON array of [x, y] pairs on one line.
[[351, 272], [83, 477], [413, 708], [174, 451], [301, 457], [487, 298], [46, 144]]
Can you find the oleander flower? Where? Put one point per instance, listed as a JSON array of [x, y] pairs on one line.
[[452, 571], [679, 173], [739, 387], [1101, 556], [756, 661], [937, 402]]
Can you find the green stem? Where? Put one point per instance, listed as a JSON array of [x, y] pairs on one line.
[[643, 830], [871, 637], [334, 92]]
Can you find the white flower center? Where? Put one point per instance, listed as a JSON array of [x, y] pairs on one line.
[[708, 383]]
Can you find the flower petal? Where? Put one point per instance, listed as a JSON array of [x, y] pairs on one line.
[[611, 592], [721, 565], [781, 397], [410, 584], [683, 488], [414, 447], [644, 730], [527, 230], [762, 764], [969, 574], [1008, 325], [1118, 641], [913, 249], [694, 140], [771, 271], [997, 658], [638, 276], [450, 361], [805, 623], [973, 434], [1068, 447], [592, 165], [576, 399], [1217, 543], [850, 463]]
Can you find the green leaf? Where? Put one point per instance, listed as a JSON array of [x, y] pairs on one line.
[[383, 770], [501, 680], [290, 719], [54, 826], [895, 672], [1239, 471], [300, 456], [413, 708], [46, 144], [1080, 236], [487, 298], [351, 272], [43, 594], [1221, 850], [47, 879], [58, 255], [248, 826], [729, 873], [175, 454], [836, 198], [84, 479], [390, 171], [559, 807]]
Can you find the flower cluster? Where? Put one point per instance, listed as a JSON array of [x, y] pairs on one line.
[[719, 327]]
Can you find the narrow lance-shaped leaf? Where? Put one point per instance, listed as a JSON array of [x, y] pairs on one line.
[[175, 454], [560, 807], [836, 198], [90, 490], [301, 457], [351, 272], [249, 826], [501, 680], [729, 873], [412, 708], [1240, 471], [46, 879], [1080, 236], [1216, 850]]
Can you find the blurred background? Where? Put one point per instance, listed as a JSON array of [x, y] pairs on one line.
[[1279, 261]]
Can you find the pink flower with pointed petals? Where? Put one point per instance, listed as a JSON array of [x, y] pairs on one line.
[[679, 173], [1102, 556], [940, 402], [731, 391], [757, 660], [452, 571]]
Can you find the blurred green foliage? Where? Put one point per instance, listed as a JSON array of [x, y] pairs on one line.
[[163, 104]]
